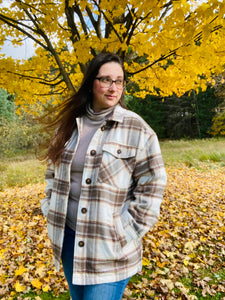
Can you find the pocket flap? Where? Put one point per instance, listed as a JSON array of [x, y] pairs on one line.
[[119, 151]]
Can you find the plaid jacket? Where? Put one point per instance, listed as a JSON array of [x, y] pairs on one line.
[[122, 188]]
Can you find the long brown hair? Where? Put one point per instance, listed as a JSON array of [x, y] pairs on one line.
[[64, 122]]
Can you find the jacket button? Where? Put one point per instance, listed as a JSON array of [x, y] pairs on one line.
[[119, 151], [84, 210], [81, 244], [93, 152], [88, 180]]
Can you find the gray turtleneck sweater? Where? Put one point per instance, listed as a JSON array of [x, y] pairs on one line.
[[91, 122]]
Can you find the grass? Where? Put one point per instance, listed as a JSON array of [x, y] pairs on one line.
[[194, 153], [20, 172], [23, 170]]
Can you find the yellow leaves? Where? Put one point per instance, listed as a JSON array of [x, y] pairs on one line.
[[220, 214], [192, 255], [2, 251], [145, 262], [71, 2], [190, 233], [26, 260], [186, 262], [82, 51], [19, 287], [46, 288], [20, 271], [222, 229], [203, 239], [187, 240], [36, 283]]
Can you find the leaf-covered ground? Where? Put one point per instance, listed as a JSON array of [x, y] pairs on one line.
[[184, 254]]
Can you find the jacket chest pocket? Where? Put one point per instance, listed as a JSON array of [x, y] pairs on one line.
[[117, 165]]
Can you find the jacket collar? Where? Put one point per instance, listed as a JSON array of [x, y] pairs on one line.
[[118, 114]]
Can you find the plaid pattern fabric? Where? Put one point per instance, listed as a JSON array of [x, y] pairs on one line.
[[122, 189]]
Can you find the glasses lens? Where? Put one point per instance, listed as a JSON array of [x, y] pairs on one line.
[[119, 83], [107, 82]]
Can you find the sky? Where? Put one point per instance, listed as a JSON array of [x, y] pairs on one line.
[[22, 52]]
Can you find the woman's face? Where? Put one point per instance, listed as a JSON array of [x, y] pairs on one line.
[[106, 93]]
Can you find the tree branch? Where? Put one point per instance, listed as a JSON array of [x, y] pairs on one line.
[[58, 92], [14, 24], [53, 51], [40, 32], [79, 13], [167, 6], [96, 24], [69, 11], [42, 81], [128, 18], [109, 23], [131, 32], [31, 6], [163, 57]]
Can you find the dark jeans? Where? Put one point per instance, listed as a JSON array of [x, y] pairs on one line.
[[105, 291]]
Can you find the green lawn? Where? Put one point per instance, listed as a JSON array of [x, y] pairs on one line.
[[194, 152]]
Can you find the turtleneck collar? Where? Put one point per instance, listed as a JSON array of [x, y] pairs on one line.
[[97, 116]]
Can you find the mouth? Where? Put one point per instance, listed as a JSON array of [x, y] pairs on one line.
[[111, 96]]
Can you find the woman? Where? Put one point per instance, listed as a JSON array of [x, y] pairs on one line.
[[104, 185]]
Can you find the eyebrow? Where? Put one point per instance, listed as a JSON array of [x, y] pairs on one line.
[[119, 76]]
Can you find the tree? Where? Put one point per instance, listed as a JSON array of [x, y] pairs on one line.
[[190, 116], [153, 110], [7, 107], [169, 46], [218, 127]]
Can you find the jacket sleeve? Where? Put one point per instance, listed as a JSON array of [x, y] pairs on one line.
[[49, 178], [149, 184]]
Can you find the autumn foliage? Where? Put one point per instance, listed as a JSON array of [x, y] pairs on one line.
[[184, 254], [168, 46]]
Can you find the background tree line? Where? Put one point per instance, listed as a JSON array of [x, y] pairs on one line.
[[190, 116], [19, 133]]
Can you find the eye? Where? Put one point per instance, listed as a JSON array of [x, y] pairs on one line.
[[119, 81], [105, 79]]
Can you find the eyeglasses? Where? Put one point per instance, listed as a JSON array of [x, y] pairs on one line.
[[107, 82]]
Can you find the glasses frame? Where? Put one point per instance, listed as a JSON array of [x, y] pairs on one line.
[[120, 87]]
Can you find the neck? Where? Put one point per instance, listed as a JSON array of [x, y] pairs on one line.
[[98, 115]]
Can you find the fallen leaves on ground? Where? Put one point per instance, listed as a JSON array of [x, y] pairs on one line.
[[184, 254], [25, 255], [186, 248]]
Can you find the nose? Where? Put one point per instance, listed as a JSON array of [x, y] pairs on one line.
[[113, 86]]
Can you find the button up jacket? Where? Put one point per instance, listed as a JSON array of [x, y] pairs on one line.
[[122, 188]]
